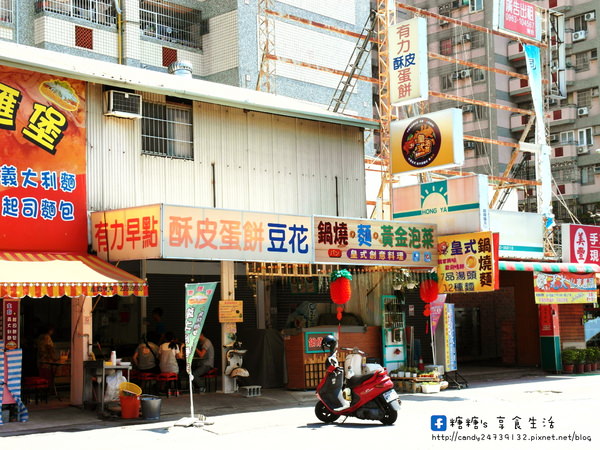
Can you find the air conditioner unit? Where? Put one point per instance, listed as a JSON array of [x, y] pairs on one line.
[[455, 75], [597, 169], [553, 137], [123, 104], [466, 37], [579, 35], [466, 73], [595, 92], [469, 145], [588, 17], [583, 111], [582, 150], [468, 108], [552, 102]]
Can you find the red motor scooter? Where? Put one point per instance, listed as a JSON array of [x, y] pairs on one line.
[[370, 396]]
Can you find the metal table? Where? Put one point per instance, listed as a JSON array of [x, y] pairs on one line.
[[99, 370]]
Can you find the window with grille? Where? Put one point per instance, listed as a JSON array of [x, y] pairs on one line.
[[6, 11], [96, 11], [584, 98], [582, 61], [167, 130], [172, 23], [446, 47], [477, 39]]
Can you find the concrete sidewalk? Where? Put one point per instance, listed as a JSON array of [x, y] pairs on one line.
[[59, 416]]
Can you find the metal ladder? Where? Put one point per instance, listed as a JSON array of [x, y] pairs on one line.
[[357, 61]]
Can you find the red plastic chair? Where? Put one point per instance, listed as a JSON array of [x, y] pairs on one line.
[[169, 381], [147, 381], [38, 386], [209, 380]]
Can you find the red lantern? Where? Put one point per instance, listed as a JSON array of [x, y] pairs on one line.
[[340, 289], [428, 291]]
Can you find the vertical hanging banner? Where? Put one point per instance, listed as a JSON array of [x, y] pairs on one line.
[[450, 363], [10, 313], [437, 307], [408, 62], [197, 302], [42, 162]]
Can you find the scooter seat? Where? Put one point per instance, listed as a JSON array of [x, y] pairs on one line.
[[358, 379]]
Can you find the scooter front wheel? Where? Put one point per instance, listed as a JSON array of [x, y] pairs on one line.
[[323, 414]]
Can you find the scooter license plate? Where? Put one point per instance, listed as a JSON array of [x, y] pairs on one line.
[[390, 395]]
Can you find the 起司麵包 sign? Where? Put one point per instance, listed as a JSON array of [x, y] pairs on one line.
[[42, 162], [467, 263], [408, 72], [181, 232], [565, 287], [428, 142], [374, 242]]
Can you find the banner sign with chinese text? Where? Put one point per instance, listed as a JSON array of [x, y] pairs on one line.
[[374, 242], [580, 243], [197, 302], [126, 234], [450, 360], [10, 319], [565, 287], [408, 62], [518, 18], [428, 142], [436, 309], [220, 234], [467, 263], [42, 162]]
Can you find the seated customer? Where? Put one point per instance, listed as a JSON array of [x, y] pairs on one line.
[[168, 354], [206, 352], [145, 357]]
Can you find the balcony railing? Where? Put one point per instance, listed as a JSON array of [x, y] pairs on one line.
[[96, 11]]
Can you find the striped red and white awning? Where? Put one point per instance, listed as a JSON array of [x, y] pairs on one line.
[[535, 266], [59, 274]]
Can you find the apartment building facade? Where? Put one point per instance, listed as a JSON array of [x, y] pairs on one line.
[[310, 42], [572, 122]]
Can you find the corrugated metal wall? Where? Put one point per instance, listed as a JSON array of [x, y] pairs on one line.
[[261, 162]]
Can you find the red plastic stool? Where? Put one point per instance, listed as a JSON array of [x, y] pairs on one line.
[[209, 379], [170, 382], [147, 380], [37, 386]]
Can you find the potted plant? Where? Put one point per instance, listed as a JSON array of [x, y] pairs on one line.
[[591, 357], [588, 357], [579, 360], [569, 356], [597, 358]]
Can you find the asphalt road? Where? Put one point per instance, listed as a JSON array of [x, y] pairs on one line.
[[550, 412]]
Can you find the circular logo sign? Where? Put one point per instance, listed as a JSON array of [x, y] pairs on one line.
[[421, 142]]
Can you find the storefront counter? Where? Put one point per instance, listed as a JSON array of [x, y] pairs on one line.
[[305, 361]]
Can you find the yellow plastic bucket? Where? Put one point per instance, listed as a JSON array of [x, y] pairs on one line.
[[127, 388]]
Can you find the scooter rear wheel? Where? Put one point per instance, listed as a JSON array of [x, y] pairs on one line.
[[390, 415], [323, 414]]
